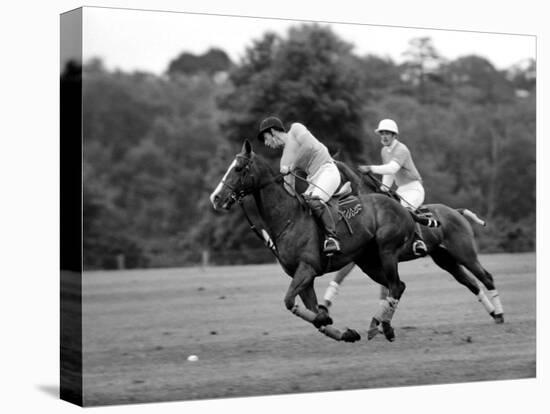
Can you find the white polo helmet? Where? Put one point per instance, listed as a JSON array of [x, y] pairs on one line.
[[387, 125]]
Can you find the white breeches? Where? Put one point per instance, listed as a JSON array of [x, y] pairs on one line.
[[324, 182], [412, 194]]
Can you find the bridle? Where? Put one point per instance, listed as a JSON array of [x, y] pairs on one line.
[[238, 195], [244, 190]]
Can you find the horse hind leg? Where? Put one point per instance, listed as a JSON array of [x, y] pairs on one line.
[[385, 273], [387, 308], [446, 261], [487, 280]]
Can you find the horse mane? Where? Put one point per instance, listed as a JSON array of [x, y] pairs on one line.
[[359, 182], [263, 161]]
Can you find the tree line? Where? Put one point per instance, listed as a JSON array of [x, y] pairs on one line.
[[155, 146]]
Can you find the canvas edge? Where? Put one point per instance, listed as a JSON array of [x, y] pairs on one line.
[[71, 357]]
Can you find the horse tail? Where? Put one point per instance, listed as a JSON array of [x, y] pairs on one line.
[[425, 221], [470, 215]]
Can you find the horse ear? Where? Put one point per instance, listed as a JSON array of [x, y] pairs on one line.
[[247, 147]]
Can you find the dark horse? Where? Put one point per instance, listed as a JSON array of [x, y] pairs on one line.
[[451, 246], [381, 233]]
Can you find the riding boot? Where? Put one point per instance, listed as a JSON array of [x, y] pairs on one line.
[[331, 245], [323, 213], [419, 247]]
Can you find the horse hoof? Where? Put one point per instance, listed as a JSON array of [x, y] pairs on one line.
[[499, 318], [322, 319], [373, 329], [372, 332], [350, 335], [388, 331]]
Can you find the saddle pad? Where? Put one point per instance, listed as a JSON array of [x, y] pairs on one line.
[[423, 211], [349, 206], [428, 218], [343, 191]]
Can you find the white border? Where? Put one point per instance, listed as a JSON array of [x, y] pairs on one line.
[[30, 193]]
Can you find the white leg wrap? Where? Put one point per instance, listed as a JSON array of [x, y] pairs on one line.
[[303, 313], [386, 310], [384, 292], [485, 302], [382, 304], [495, 298], [331, 292]]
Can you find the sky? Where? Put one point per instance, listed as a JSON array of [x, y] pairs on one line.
[[147, 41]]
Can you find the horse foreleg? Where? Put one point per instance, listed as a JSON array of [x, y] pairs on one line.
[[302, 284], [322, 319], [302, 279], [309, 298]]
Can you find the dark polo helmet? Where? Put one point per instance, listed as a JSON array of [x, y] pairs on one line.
[[268, 123]]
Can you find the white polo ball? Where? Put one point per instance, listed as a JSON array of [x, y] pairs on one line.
[[192, 358]]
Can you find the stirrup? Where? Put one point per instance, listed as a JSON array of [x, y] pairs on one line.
[[419, 248], [331, 246]]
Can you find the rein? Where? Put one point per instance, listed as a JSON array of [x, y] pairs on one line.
[[391, 192], [237, 196], [308, 182], [270, 243], [240, 195]]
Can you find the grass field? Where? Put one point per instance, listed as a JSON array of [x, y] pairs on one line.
[[140, 326]]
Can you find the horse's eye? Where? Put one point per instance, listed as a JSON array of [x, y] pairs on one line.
[[240, 167]]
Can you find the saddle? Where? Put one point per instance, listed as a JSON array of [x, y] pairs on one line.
[[426, 217], [346, 204], [423, 211]]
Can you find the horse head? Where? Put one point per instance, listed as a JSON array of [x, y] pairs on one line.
[[241, 178], [370, 183]]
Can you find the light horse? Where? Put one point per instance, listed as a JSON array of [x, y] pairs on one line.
[[376, 237], [451, 246]]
